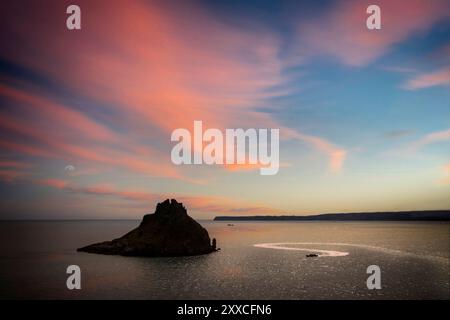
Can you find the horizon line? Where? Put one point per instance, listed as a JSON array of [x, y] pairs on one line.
[[230, 216]]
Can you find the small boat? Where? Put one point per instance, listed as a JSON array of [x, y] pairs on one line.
[[312, 255]]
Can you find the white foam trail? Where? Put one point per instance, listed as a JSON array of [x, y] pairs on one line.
[[282, 246], [329, 253]]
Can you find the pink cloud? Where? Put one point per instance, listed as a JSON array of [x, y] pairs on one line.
[[207, 204], [342, 31], [426, 80], [55, 183], [445, 180], [335, 154], [156, 70], [10, 175], [25, 148], [41, 108], [15, 164], [89, 141]]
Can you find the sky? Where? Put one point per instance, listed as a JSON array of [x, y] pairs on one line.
[[86, 115]]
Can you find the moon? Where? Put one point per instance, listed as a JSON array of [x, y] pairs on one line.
[[69, 168]]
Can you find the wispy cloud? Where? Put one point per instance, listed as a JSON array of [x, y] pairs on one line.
[[342, 33], [206, 204], [57, 131], [222, 77], [434, 137], [431, 79], [335, 154]]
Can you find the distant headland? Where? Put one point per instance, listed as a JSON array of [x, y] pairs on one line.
[[170, 231], [427, 215]]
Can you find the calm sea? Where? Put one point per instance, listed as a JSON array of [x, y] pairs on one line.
[[413, 258]]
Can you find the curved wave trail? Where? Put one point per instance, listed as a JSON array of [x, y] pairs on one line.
[[282, 246], [329, 253]]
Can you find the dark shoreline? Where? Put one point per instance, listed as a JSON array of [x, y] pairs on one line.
[[427, 215]]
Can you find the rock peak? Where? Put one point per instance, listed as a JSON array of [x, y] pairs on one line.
[[171, 206], [170, 231]]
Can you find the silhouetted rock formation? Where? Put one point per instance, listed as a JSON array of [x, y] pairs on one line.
[[167, 232]]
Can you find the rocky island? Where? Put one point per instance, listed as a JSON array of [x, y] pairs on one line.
[[170, 231]]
